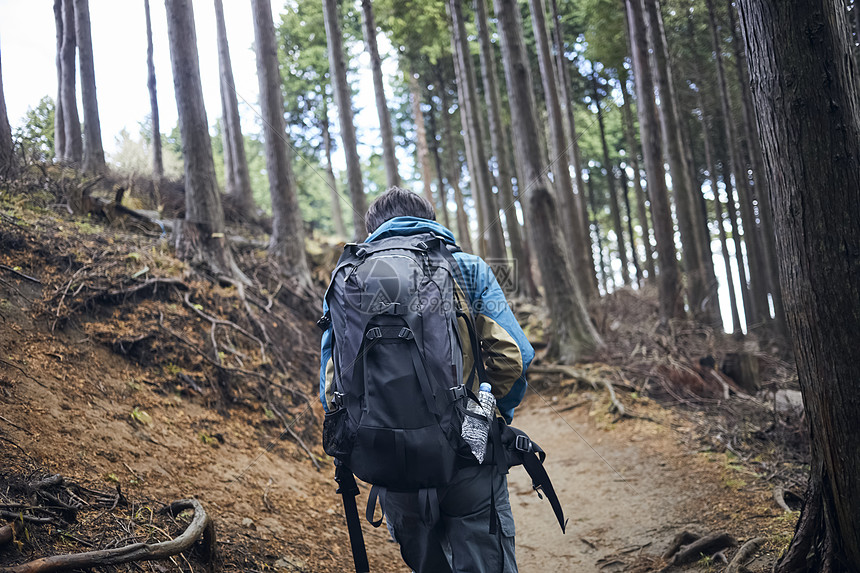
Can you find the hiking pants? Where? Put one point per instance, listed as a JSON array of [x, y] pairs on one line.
[[459, 541]]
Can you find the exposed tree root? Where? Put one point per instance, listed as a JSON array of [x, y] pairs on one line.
[[201, 527], [581, 376], [683, 538], [744, 554], [779, 498], [707, 545]]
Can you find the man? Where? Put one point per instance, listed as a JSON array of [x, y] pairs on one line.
[[459, 539]]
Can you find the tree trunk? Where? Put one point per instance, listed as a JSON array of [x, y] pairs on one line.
[[229, 169], [201, 239], [73, 144], [287, 243], [759, 312], [442, 192], [682, 187], [718, 209], [625, 188], [583, 264], [809, 120], [760, 177], [240, 187], [336, 211], [490, 229], [464, 236], [633, 154], [420, 137], [664, 235], [342, 98], [573, 335], [389, 158], [614, 209], [94, 153], [563, 70], [7, 155], [157, 160], [59, 124], [500, 150], [604, 281]]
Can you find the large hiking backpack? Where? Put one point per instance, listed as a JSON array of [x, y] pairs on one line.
[[399, 397]]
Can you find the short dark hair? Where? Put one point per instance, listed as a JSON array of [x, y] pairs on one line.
[[397, 202]]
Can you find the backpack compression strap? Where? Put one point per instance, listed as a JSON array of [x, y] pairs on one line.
[[349, 490], [522, 450]]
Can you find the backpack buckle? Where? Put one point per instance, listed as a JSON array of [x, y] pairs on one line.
[[523, 443], [457, 392], [406, 334], [337, 400], [324, 322], [374, 333]]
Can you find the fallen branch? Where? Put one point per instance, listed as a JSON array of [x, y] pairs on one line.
[[707, 545], [20, 274], [222, 322], [744, 554], [568, 371], [201, 527]]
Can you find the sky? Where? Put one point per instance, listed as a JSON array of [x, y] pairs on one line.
[[28, 47]]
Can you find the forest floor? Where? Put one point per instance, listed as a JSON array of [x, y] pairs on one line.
[[112, 398]]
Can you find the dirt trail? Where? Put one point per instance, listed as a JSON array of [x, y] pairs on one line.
[[627, 492], [618, 497]]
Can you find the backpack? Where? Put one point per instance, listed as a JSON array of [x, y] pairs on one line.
[[399, 397]]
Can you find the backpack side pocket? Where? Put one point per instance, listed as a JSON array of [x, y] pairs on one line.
[[338, 434]]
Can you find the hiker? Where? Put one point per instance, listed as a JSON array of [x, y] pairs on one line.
[[466, 525]]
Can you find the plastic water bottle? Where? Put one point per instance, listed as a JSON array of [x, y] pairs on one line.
[[475, 431]]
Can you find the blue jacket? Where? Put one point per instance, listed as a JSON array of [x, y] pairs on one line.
[[506, 350]]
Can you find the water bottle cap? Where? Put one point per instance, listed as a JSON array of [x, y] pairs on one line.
[[485, 387]]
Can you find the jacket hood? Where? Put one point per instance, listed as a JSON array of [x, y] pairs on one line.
[[405, 226]]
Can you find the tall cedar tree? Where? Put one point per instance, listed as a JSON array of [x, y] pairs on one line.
[[6, 150], [287, 243], [343, 100], [614, 209], [808, 113], [563, 76], [433, 136], [760, 175], [574, 336], [759, 310], [389, 158], [570, 214], [336, 210], [464, 235], [59, 127], [490, 229], [669, 286], [421, 151], [73, 144], [200, 238], [94, 153], [633, 158], [500, 148], [241, 196], [157, 160], [686, 205]]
